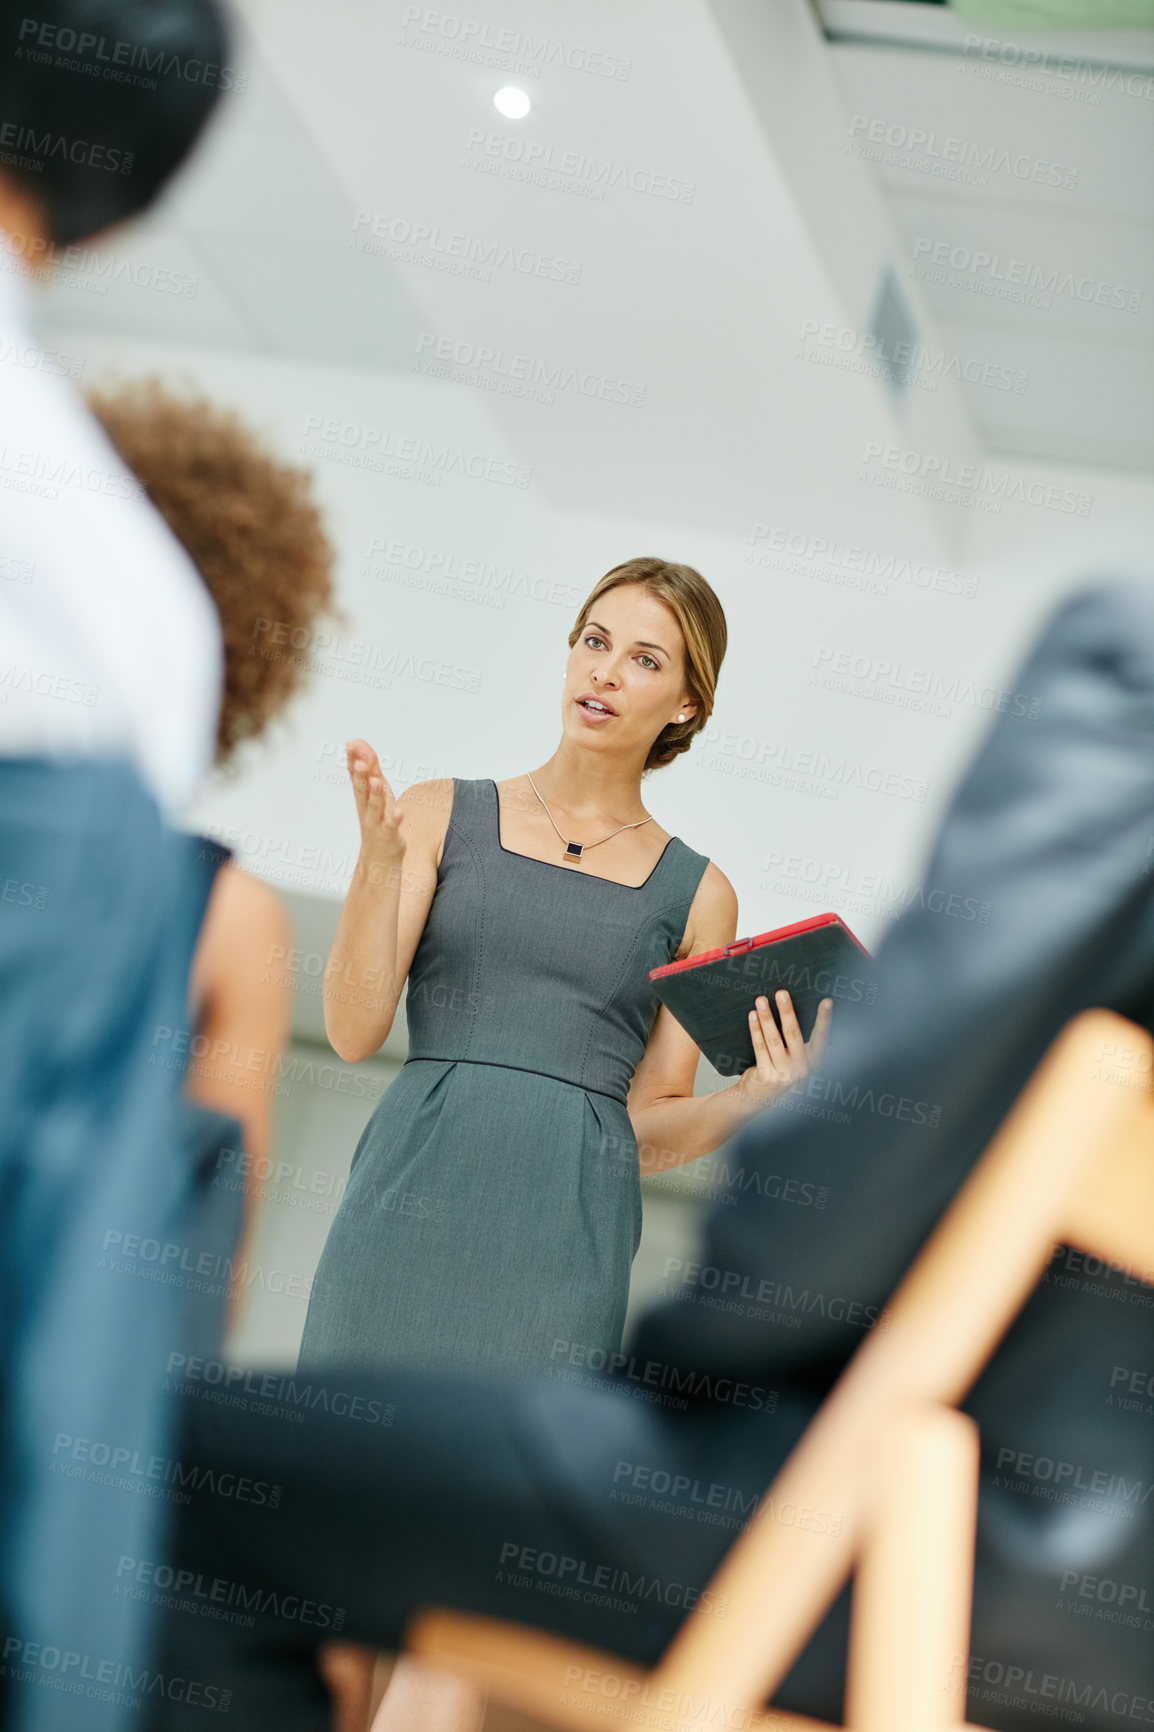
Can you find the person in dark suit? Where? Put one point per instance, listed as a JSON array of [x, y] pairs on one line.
[[574, 1502]]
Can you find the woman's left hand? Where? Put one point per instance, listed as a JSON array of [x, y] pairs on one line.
[[780, 1062]]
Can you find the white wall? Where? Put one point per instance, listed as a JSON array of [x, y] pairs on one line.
[[787, 767]]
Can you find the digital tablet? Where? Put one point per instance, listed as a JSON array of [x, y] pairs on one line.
[[712, 994]]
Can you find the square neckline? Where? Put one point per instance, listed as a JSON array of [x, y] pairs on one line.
[[555, 865]]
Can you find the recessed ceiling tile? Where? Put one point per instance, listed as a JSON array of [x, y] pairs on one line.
[[151, 283], [927, 121], [1023, 270], [1083, 401], [317, 302]]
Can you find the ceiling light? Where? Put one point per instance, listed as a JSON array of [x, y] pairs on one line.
[[512, 103]]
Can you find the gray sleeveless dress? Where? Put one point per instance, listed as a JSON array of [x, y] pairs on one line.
[[494, 1205]]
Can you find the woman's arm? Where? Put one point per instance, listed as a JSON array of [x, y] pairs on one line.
[[388, 902], [245, 1003], [242, 1000], [671, 1124]]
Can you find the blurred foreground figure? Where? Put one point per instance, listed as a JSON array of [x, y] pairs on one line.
[[250, 525], [597, 1502], [110, 663]]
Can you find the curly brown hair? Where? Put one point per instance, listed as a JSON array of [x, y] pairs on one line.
[[702, 620], [251, 528]]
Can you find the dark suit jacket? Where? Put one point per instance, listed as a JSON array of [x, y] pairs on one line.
[[1048, 852], [1051, 836]]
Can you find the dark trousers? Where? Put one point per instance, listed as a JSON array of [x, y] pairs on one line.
[[319, 1509], [332, 1509]]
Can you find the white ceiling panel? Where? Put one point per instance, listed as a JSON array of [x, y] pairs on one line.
[[1054, 282], [1059, 372], [150, 284], [939, 123], [1091, 277], [946, 29], [317, 303]]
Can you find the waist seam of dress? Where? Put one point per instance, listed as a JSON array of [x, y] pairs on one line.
[[526, 1069]]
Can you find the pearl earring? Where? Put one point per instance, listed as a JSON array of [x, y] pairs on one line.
[[681, 718]]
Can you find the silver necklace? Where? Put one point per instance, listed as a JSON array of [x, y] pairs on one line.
[[574, 850]]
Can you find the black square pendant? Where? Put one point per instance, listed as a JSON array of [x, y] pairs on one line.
[[573, 850]]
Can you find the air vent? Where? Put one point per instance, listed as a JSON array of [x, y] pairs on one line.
[[895, 335]]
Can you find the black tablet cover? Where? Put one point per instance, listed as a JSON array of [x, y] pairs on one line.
[[712, 994]]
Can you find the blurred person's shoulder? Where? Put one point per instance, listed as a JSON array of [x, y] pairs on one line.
[[99, 585], [246, 926], [1106, 609], [245, 906], [1094, 656]]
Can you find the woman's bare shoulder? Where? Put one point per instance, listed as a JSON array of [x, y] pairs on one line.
[[712, 913], [437, 789], [427, 807]]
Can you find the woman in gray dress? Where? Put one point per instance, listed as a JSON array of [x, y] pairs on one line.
[[494, 1203], [494, 1206]]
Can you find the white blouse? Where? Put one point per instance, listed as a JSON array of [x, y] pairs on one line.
[[109, 640]]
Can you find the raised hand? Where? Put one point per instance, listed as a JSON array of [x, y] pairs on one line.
[[378, 810], [781, 1058]]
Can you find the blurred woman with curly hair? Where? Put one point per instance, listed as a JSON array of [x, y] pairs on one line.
[[252, 530], [254, 533]]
